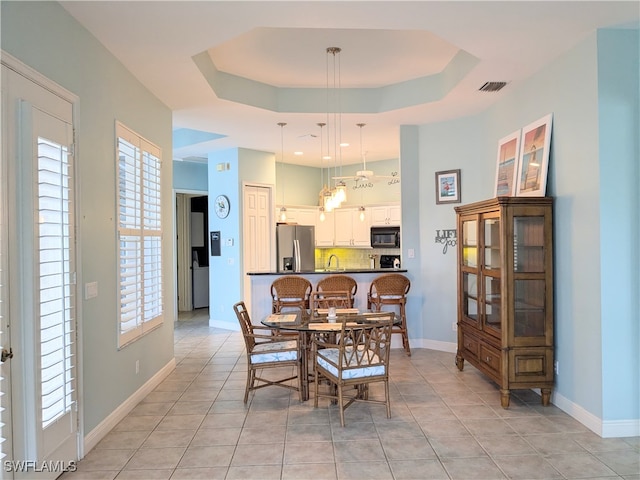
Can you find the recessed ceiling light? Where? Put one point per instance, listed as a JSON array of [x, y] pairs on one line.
[[298, 153]]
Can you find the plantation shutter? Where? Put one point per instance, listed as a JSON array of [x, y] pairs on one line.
[[57, 280], [140, 235]]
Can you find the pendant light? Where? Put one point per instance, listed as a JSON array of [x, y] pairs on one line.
[[360, 125], [333, 198], [283, 209], [324, 186]]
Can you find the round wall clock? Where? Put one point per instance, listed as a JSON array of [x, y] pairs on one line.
[[221, 206]]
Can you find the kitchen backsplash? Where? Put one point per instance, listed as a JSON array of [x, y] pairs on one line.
[[352, 257]]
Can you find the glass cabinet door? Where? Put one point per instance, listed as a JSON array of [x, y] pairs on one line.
[[529, 320], [470, 243], [492, 305], [470, 296], [528, 244], [491, 243], [529, 265]]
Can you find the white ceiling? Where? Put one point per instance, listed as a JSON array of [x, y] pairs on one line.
[[235, 69]]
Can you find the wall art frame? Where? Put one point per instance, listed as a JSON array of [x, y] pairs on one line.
[[507, 165], [533, 163], [448, 187]]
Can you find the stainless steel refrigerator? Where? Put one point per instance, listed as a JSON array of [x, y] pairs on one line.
[[295, 246]]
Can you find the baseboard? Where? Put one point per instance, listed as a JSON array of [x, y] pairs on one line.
[[603, 428], [450, 347], [104, 427]]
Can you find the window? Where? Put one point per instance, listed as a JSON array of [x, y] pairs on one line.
[[139, 235]]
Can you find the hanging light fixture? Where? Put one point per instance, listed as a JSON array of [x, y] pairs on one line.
[[324, 185], [283, 209], [360, 125], [362, 215], [337, 195]]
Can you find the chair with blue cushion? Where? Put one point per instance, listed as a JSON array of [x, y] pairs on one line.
[[266, 351], [356, 357]]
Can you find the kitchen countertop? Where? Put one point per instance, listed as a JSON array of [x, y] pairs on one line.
[[322, 271]]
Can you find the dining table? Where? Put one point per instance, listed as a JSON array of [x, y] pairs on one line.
[[306, 323]]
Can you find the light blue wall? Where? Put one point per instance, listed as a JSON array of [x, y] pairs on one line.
[[619, 163], [225, 284], [45, 37], [417, 325], [596, 328], [461, 144], [226, 281], [302, 184], [190, 176]]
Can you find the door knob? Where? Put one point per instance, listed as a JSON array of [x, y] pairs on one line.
[[6, 355]]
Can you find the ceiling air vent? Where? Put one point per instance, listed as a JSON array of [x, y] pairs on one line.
[[492, 86]]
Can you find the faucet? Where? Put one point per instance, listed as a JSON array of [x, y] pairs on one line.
[[333, 255]]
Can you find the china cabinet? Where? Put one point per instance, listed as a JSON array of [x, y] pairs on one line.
[[505, 292]]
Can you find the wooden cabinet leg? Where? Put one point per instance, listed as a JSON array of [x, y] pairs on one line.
[[505, 396], [546, 396], [459, 362]]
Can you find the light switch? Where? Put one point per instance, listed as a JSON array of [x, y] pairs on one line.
[[229, 242], [90, 290], [411, 253]]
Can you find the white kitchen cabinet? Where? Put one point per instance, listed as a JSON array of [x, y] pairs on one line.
[[350, 231], [325, 230], [386, 215], [301, 216]]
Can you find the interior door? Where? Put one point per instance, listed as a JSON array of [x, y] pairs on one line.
[[257, 234], [41, 252]]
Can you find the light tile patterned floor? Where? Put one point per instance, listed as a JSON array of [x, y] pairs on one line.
[[445, 424]]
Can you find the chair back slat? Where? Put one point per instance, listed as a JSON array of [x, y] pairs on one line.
[[367, 346], [335, 283], [390, 284], [290, 291], [245, 324], [326, 299]]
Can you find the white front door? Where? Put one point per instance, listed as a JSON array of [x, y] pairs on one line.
[[42, 260]]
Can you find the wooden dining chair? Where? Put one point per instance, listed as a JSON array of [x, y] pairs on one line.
[[327, 299], [267, 351], [337, 283], [391, 289], [349, 361], [290, 292]]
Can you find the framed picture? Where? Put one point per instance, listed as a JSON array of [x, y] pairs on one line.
[[534, 158], [507, 165], [448, 186]]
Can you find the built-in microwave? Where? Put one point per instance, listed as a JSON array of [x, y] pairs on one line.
[[385, 237]]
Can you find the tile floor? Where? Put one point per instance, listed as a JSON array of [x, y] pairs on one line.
[[445, 425]]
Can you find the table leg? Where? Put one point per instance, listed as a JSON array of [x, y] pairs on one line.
[[304, 364]]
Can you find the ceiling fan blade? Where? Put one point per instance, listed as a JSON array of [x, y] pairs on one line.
[[350, 177]]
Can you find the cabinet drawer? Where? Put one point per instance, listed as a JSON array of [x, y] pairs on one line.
[[490, 357], [469, 344]]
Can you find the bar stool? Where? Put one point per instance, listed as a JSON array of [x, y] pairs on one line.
[[290, 291], [391, 289], [339, 283]]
